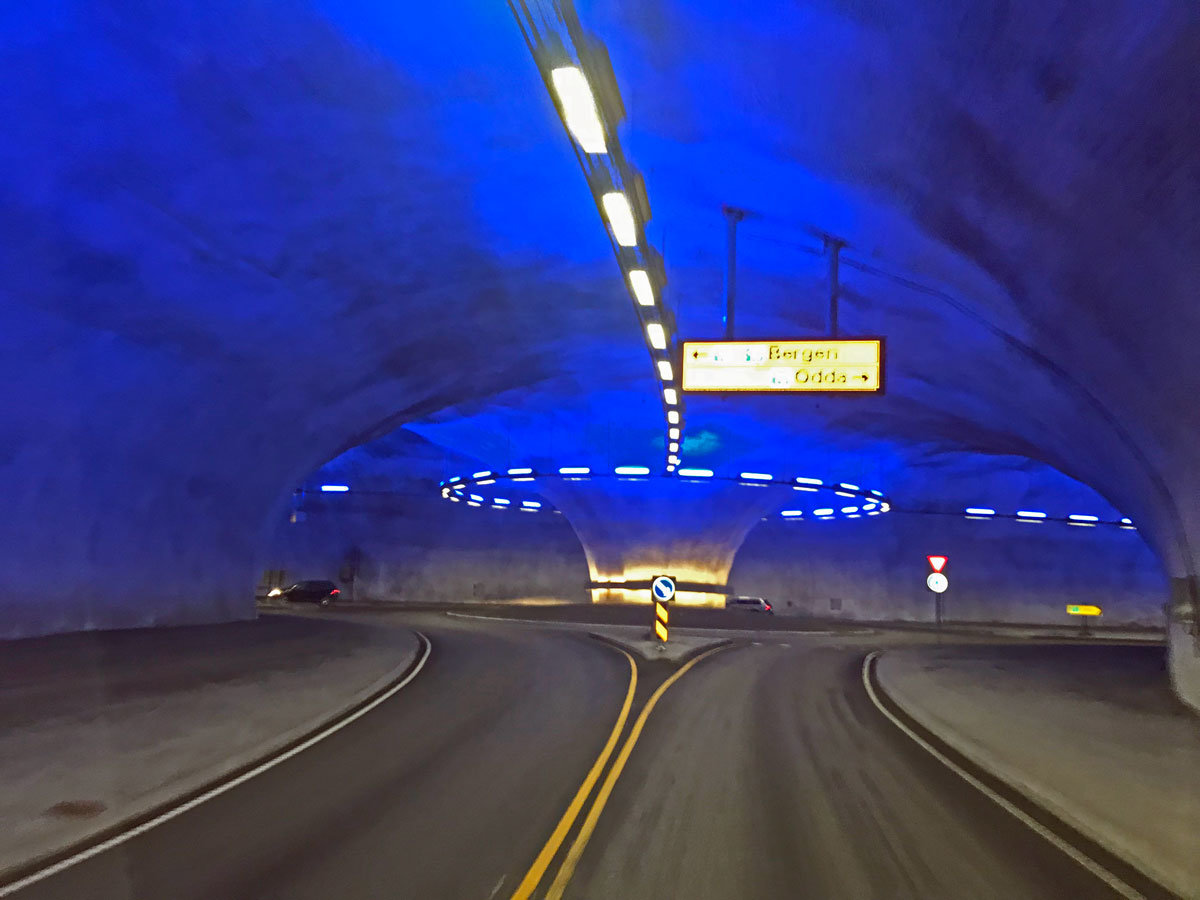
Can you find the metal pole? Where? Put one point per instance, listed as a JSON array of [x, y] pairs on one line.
[[833, 247], [732, 217]]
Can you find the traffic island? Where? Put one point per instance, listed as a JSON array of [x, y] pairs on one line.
[[1090, 733], [642, 643], [103, 729]]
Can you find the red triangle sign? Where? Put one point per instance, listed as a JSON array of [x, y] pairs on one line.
[[937, 563]]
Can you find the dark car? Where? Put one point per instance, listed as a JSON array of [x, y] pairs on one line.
[[322, 592]]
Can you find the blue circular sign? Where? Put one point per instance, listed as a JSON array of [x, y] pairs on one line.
[[663, 588]]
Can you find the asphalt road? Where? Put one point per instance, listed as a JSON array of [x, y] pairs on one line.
[[764, 771]]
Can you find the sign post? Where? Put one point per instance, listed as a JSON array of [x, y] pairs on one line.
[[937, 582], [1085, 613], [662, 592], [820, 366]]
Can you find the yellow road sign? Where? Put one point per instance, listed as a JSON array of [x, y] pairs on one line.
[[811, 366], [1076, 610]]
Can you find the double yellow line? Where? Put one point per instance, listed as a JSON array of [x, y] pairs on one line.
[[534, 876]]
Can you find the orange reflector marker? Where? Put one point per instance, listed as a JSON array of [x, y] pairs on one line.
[[660, 612], [660, 630], [1075, 609]]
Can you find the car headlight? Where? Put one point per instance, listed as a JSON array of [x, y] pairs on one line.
[[274, 592]]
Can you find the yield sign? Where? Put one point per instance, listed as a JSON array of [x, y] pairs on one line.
[[937, 563]]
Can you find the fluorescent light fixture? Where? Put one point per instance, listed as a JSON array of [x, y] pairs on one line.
[[643, 291], [823, 512], [826, 518], [873, 513], [487, 481], [696, 473], [1076, 517], [673, 433], [620, 218], [884, 507], [809, 481], [844, 494], [850, 487], [756, 476], [1030, 514], [673, 416], [855, 516], [979, 511], [867, 507], [520, 471], [792, 513], [473, 503], [664, 370], [673, 447], [531, 504], [453, 499], [500, 501], [579, 108], [1127, 521], [335, 488], [476, 497], [876, 493], [481, 474], [673, 459], [801, 487], [849, 509], [632, 470], [671, 468], [656, 336], [574, 470], [670, 396]]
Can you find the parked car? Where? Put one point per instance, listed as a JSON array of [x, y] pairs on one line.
[[322, 592], [749, 604]]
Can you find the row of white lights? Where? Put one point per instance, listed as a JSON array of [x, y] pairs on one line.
[[581, 115], [454, 489], [872, 502], [1037, 515]]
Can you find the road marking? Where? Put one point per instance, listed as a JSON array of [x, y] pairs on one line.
[[496, 889], [589, 824], [1086, 861], [530, 882], [176, 811]]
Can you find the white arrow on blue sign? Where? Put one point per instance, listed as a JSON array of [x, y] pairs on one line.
[[663, 588]]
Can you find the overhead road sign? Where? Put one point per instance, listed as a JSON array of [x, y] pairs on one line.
[[1076, 609], [804, 366]]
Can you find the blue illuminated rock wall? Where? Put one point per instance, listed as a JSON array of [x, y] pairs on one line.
[[999, 571]]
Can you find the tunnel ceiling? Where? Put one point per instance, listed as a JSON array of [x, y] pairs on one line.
[[242, 239]]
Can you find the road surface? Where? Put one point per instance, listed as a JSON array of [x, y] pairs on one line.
[[763, 771]]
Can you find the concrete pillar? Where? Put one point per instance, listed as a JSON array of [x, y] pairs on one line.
[[634, 530]]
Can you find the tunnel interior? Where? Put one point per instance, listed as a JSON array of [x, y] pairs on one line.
[[250, 250]]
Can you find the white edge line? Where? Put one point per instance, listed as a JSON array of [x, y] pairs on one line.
[[1086, 861], [175, 811]]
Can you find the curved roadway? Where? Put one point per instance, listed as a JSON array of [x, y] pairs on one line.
[[764, 771]]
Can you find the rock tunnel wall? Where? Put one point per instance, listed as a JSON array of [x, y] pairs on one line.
[[999, 571]]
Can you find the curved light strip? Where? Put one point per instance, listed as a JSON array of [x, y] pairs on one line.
[[456, 489]]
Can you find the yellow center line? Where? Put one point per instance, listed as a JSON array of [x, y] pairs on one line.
[[530, 882], [589, 823]]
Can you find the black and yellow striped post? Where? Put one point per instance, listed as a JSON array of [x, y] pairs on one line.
[[660, 620], [662, 592]]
